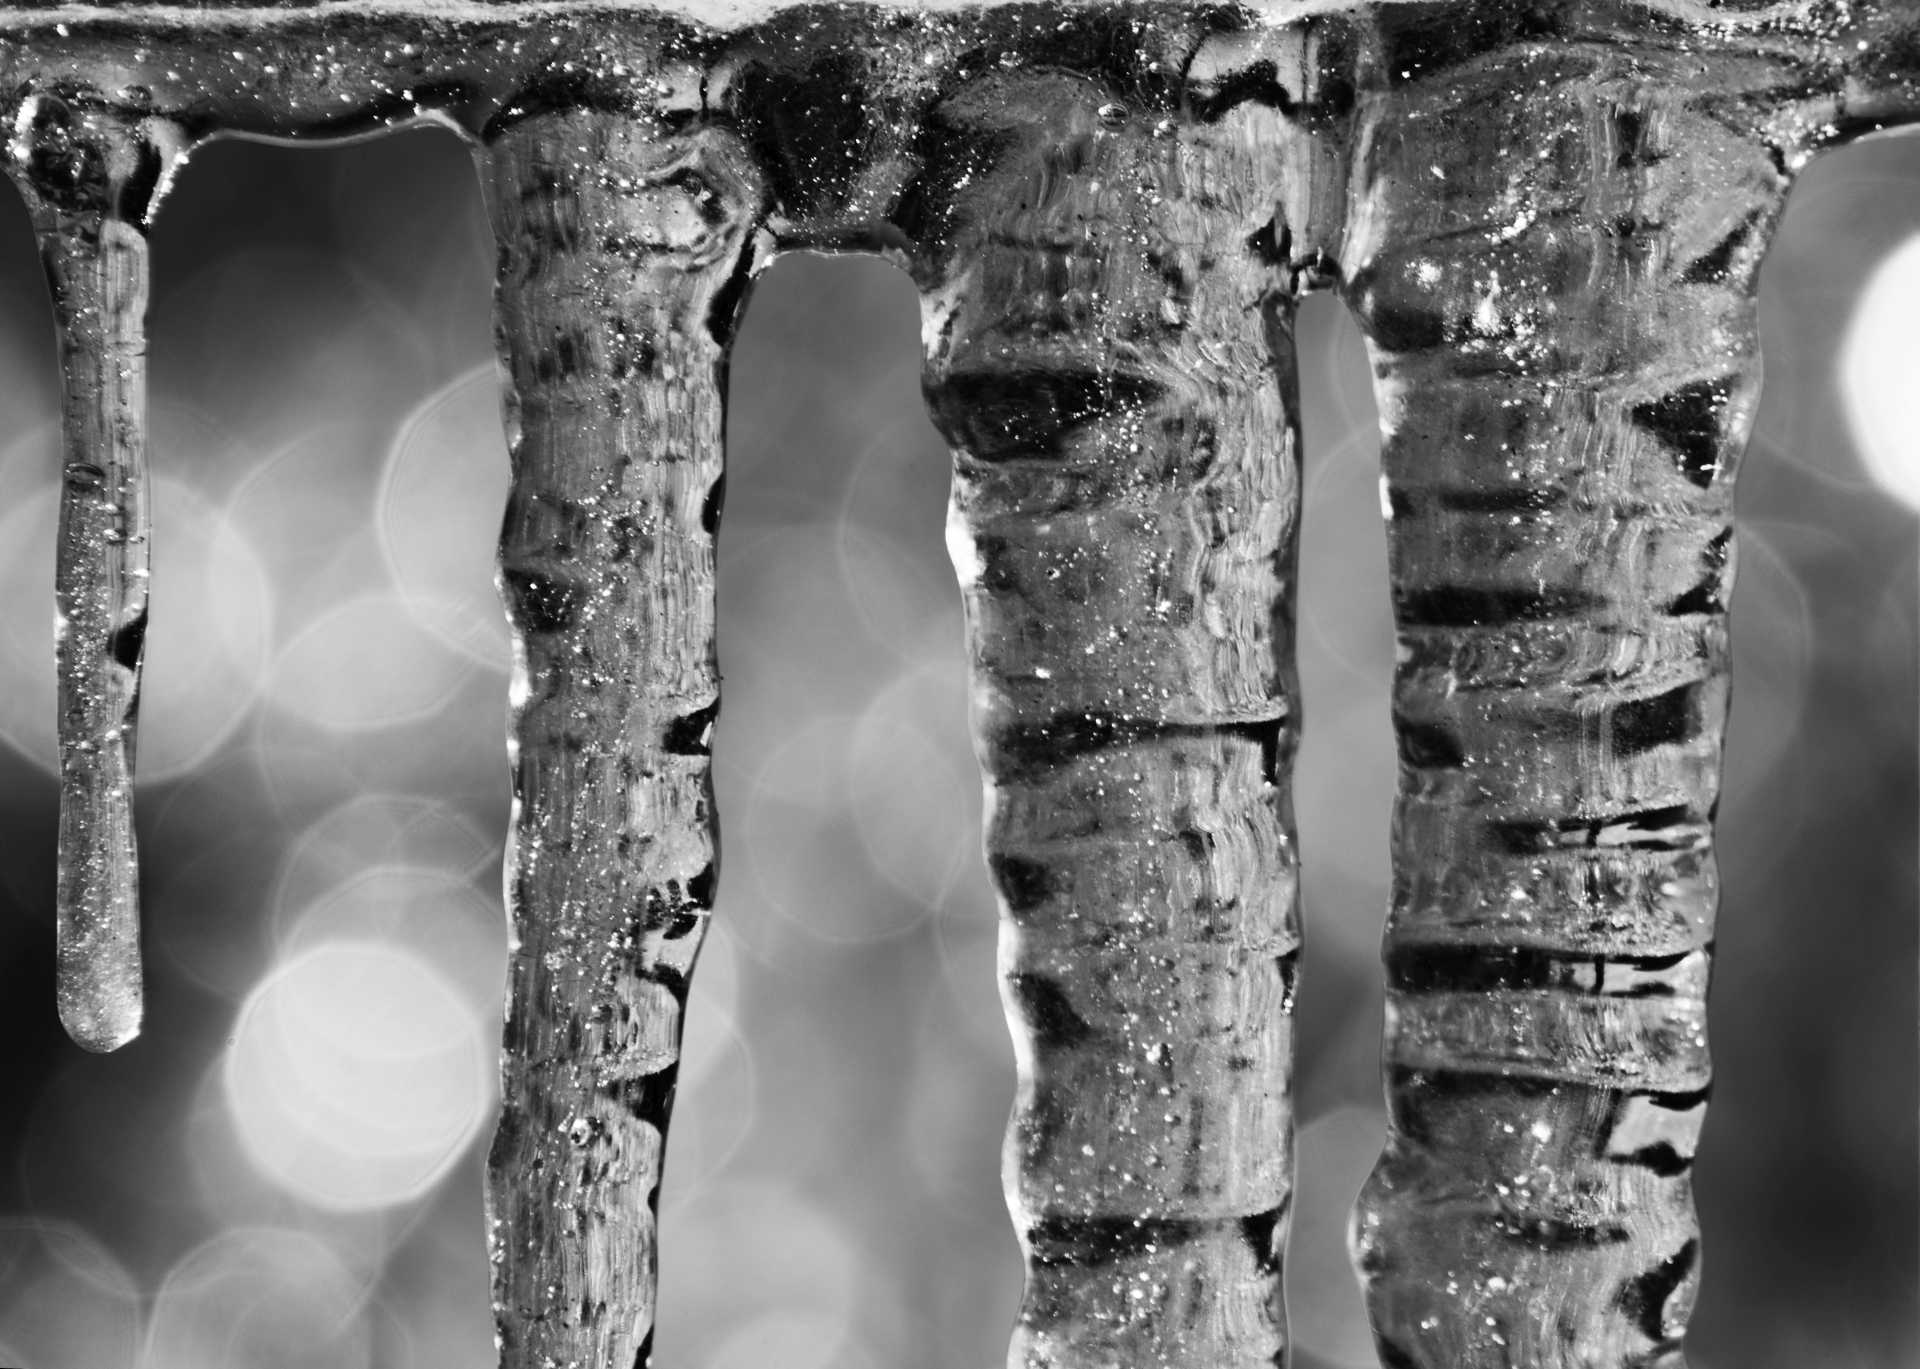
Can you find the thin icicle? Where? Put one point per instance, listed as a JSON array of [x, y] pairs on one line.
[[1559, 292], [90, 179], [623, 250], [1110, 357]]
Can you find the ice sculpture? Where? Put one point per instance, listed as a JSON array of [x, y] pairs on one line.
[[1547, 216]]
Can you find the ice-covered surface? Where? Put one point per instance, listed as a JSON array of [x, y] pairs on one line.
[[1548, 222]]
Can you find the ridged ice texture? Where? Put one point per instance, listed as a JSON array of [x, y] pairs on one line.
[[1110, 356], [88, 178], [1548, 216], [1558, 290], [621, 257]]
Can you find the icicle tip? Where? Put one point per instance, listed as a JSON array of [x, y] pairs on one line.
[[100, 1017]]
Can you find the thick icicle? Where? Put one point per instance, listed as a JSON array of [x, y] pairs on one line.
[[622, 257], [1559, 291], [1110, 356], [90, 177]]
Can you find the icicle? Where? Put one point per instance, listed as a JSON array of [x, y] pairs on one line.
[[1123, 516], [90, 177], [1560, 293], [622, 260]]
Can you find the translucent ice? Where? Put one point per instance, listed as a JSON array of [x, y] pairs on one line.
[[622, 254], [90, 177], [1548, 219], [1111, 358]]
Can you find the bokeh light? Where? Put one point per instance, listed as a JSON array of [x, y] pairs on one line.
[[434, 913], [65, 1301], [793, 1339], [1878, 364], [915, 806], [755, 1247], [256, 1296], [301, 500], [365, 664], [384, 829], [358, 1073], [440, 505]]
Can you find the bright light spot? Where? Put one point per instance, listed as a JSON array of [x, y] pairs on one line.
[[365, 664], [259, 1296], [66, 1303], [1878, 363], [440, 505], [206, 652], [357, 1075], [438, 917]]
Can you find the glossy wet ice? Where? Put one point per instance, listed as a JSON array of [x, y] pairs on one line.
[[1548, 225]]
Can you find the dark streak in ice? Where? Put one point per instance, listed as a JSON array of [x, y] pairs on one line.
[[1111, 368], [1562, 328]]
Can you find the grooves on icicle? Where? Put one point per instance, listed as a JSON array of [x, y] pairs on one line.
[[1567, 368], [90, 176], [1110, 357], [622, 254]]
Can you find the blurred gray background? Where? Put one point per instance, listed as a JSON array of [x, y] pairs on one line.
[[283, 1173]]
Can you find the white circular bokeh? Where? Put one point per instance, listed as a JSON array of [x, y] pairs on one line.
[[357, 1075], [258, 1296], [66, 1302], [1878, 361], [366, 663]]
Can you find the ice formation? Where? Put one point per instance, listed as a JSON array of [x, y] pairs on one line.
[[1547, 218]]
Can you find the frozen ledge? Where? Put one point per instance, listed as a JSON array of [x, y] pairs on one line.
[[733, 14], [347, 70]]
